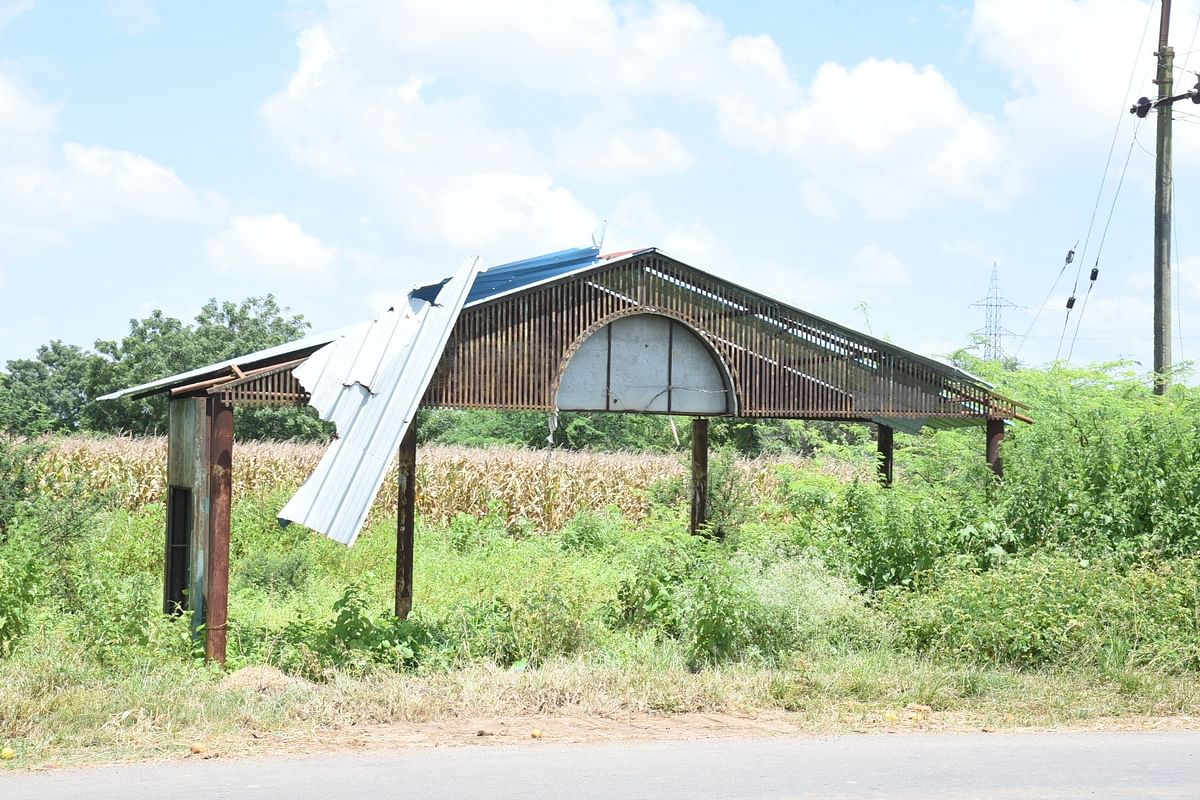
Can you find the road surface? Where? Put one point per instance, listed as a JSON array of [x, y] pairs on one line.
[[1010, 765]]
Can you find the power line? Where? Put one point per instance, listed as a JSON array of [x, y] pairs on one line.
[[1113, 144], [1176, 274], [1096, 206], [1070, 257]]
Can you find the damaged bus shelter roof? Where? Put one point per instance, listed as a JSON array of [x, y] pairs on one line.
[[676, 340]]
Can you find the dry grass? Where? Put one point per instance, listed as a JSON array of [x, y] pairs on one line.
[[161, 712], [545, 488]]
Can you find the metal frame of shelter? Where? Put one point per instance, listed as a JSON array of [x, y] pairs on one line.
[[719, 350]]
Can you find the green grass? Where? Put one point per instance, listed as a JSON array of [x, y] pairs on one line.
[[1069, 594], [602, 618]]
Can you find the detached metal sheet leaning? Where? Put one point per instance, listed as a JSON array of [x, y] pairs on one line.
[[369, 384]]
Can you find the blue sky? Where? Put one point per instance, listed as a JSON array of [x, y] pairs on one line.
[[866, 161]]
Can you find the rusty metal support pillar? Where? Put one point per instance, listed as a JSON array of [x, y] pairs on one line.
[[995, 438], [885, 442], [220, 486], [405, 521], [699, 473]]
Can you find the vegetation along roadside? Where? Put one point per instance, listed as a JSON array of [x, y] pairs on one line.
[[565, 583]]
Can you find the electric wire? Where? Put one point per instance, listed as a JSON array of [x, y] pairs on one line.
[[1103, 237], [1175, 274], [1045, 300], [1187, 54], [1099, 193], [1112, 145]]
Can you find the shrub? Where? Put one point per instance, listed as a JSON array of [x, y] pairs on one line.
[[1053, 609], [720, 617], [19, 469]]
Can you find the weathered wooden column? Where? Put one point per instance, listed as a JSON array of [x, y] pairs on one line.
[[220, 485], [187, 508], [995, 438], [884, 442], [699, 473], [405, 521]]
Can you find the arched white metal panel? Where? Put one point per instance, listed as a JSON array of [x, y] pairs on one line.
[[648, 363]]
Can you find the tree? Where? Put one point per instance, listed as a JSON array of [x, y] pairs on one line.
[[56, 391], [160, 345], [47, 393]]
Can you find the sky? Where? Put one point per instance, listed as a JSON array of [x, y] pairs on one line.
[[868, 162]]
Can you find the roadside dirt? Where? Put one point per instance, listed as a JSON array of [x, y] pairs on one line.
[[535, 730]]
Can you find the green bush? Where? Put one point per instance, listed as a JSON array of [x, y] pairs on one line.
[[720, 616], [18, 582], [18, 478], [1053, 609]]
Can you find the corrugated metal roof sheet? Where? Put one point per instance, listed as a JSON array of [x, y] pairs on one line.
[[277, 353], [369, 383]]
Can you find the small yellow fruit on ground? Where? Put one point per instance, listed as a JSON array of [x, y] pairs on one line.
[[8, 754], [197, 748], [536, 733]]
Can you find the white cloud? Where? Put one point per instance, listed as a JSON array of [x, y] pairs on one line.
[[133, 16], [893, 137], [408, 97], [11, 9], [871, 266], [270, 245], [49, 189], [93, 185], [24, 117], [485, 210], [120, 183], [605, 155], [1070, 63]]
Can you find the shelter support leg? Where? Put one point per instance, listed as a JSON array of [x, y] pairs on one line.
[[995, 438], [220, 486], [188, 430], [699, 473], [885, 442], [405, 518]]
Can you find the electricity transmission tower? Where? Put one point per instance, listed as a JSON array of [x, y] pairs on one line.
[[993, 330]]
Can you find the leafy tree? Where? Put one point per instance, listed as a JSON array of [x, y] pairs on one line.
[[47, 393], [56, 391]]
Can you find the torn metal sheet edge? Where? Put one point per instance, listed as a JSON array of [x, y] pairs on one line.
[[369, 384]]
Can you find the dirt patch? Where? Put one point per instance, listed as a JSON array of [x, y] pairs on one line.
[[261, 680], [533, 730]]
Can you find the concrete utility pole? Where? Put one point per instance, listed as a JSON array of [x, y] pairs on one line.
[[1162, 197], [1162, 209]]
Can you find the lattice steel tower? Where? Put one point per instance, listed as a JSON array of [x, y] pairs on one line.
[[993, 330]]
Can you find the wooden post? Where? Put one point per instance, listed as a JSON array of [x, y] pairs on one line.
[[699, 473], [405, 520], [884, 442], [188, 438], [995, 437], [220, 482]]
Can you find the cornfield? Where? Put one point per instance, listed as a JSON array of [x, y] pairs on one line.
[[545, 489]]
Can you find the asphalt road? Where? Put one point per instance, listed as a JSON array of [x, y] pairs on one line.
[[1019, 766]]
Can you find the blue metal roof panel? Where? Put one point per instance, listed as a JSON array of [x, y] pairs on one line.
[[518, 274]]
